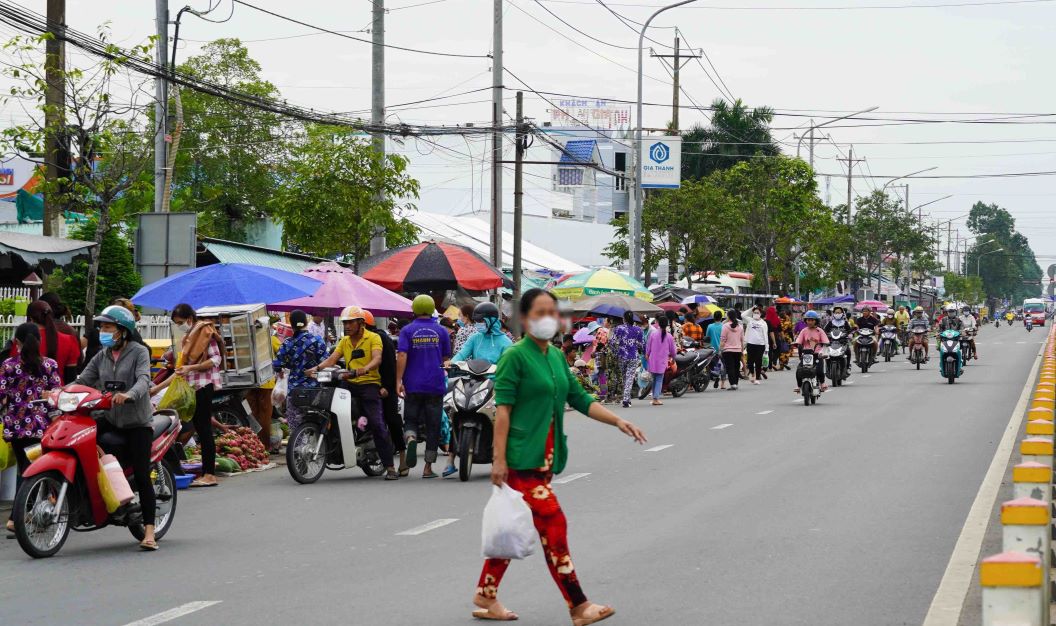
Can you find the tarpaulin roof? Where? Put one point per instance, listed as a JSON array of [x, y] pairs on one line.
[[37, 249], [234, 252]]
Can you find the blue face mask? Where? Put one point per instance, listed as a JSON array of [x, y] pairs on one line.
[[107, 339], [480, 326], [460, 323], [681, 318]]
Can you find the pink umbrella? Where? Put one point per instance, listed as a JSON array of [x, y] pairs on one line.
[[873, 304], [341, 288]]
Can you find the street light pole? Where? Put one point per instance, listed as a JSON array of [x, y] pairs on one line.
[[635, 216], [814, 126]]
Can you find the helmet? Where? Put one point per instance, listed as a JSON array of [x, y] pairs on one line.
[[485, 309], [350, 313], [119, 315], [579, 363], [423, 305], [368, 317], [812, 315], [951, 307], [918, 309], [890, 311]]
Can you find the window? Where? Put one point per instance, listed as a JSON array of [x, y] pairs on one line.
[[621, 166]]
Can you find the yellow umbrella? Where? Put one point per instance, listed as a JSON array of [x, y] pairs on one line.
[[601, 281]]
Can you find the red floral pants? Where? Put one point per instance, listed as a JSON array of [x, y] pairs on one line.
[[553, 533]]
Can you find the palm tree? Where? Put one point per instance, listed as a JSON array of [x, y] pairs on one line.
[[737, 132]]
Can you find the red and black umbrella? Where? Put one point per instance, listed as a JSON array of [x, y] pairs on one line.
[[432, 266]]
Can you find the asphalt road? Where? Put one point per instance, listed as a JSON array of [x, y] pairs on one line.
[[760, 511]]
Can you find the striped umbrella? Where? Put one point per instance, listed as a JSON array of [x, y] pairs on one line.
[[432, 266], [601, 281]]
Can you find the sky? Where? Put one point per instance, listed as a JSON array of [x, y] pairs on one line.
[[808, 59]]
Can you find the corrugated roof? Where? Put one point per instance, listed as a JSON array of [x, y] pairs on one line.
[[579, 151], [240, 253]]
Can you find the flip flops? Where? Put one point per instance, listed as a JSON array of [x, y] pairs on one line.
[[484, 614], [603, 612], [412, 451], [148, 546]]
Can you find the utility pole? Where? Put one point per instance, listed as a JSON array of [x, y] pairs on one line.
[[161, 102], [676, 63], [54, 115], [949, 241], [521, 139], [377, 99], [496, 137], [850, 206]]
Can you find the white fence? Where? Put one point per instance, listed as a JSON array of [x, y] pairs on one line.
[[150, 326], [14, 292]]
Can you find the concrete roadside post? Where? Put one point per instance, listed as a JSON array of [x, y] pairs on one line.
[[1026, 527], [1040, 428], [1012, 589], [1032, 480], [1036, 449]]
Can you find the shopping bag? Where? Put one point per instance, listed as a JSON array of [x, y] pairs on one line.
[[7, 455], [180, 398], [766, 361], [113, 485], [278, 394], [508, 531]]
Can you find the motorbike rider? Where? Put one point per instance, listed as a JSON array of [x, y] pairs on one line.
[[968, 322], [919, 319], [950, 320], [125, 430], [868, 320], [486, 344], [839, 321], [361, 349], [902, 317], [810, 338]]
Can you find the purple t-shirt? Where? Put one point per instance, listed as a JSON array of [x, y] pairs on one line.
[[426, 344]]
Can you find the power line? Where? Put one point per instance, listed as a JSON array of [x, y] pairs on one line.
[[858, 7], [587, 35]]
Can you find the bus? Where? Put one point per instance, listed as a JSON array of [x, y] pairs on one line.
[[1035, 308]]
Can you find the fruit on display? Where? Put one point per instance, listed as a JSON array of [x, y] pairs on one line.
[[243, 447]]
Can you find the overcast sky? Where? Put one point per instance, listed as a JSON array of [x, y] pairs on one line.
[[812, 57]]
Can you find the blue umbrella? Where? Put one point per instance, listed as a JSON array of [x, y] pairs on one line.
[[699, 298], [226, 284]]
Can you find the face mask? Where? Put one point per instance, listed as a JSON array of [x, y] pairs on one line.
[[681, 318], [756, 316], [459, 323], [107, 339], [837, 316], [481, 327], [543, 328], [184, 327]]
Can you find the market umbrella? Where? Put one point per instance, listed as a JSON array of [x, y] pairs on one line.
[[601, 281], [786, 300], [225, 284], [844, 299], [433, 266], [341, 288], [615, 305], [671, 306], [584, 336], [698, 298], [873, 304], [709, 309]]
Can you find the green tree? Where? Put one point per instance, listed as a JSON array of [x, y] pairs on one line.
[[117, 273], [328, 199], [1003, 256], [968, 289], [736, 133], [229, 152]]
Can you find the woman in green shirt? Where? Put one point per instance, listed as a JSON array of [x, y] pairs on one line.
[[532, 385]]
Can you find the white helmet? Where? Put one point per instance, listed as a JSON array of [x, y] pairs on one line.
[[951, 308], [890, 311]]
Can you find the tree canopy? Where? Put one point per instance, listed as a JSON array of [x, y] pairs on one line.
[[736, 133], [1002, 255]]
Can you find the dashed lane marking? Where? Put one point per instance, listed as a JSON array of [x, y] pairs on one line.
[[764, 412], [721, 426], [659, 448], [424, 528], [176, 613], [564, 480]]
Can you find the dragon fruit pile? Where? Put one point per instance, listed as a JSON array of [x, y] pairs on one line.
[[243, 447]]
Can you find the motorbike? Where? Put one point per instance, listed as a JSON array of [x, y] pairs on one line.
[[470, 403], [966, 345], [227, 406], [950, 360], [888, 342], [1010, 322], [863, 348], [916, 349], [697, 371], [61, 489], [997, 323], [838, 366], [806, 376], [1029, 324], [332, 434], [679, 382]]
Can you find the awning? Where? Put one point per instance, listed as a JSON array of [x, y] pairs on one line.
[[44, 251], [844, 299], [234, 252]]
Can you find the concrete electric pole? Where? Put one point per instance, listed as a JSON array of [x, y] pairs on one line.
[[518, 204], [161, 102], [377, 97], [54, 114], [496, 137]]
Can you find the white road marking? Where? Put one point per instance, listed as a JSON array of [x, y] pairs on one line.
[[764, 412], [424, 528], [564, 480], [721, 426], [171, 614], [659, 448], [945, 609], [1021, 342], [866, 375], [848, 382]]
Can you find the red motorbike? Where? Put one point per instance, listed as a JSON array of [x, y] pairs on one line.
[[60, 489]]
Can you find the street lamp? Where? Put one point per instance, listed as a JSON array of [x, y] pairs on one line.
[[979, 257], [636, 206], [814, 126], [907, 176]]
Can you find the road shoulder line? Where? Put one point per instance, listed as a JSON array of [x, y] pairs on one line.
[[945, 609]]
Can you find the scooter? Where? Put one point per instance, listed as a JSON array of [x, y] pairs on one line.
[[950, 361], [332, 434], [888, 342], [706, 369], [838, 365], [1028, 323], [678, 384], [470, 403], [806, 377], [916, 346], [966, 345], [60, 489], [863, 348]]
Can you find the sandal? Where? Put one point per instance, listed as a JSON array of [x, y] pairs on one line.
[[393, 475], [404, 471], [412, 451], [487, 614], [148, 545], [430, 475], [199, 482], [594, 614]]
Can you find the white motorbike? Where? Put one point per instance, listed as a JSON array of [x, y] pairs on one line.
[[470, 403]]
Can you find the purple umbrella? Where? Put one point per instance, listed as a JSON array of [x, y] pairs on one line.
[[341, 288], [583, 335]]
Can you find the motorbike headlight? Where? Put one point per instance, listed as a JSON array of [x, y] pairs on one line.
[[480, 396], [68, 402], [33, 452], [459, 394], [324, 376]]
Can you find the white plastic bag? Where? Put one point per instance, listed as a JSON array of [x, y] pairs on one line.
[[508, 531], [278, 394]]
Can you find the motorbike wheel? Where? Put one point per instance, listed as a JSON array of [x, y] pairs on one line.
[[372, 465], [165, 509], [303, 467], [700, 384], [37, 534], [467, 443], [840, 375], [229, 416], [951, 372], [678, 387], [813, 399], [918, 362], [806, 392]]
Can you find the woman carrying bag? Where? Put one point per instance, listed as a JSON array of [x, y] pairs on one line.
[[532, 385]]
